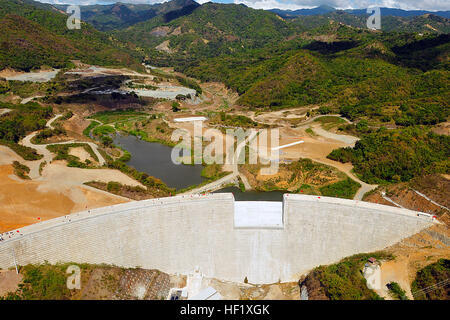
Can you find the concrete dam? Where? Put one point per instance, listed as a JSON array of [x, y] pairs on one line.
[[266, 242]]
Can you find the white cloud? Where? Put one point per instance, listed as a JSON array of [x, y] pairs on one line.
[[432, 5], [89, 2]]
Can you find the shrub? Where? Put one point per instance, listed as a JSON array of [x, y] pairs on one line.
[[433, 277], [396, 291], [343, 189]]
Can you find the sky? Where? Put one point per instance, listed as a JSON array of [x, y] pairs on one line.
[[431, 5]]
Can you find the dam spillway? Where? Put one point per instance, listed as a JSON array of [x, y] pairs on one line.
[[225, 239]]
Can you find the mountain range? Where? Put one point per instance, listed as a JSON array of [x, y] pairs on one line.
[[324, 9], [122, 15], [270, 61]]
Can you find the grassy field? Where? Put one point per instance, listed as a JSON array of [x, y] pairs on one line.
[[343, 189], [330, 122], [107, 117]]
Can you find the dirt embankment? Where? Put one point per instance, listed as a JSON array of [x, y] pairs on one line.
[[425, 247], [413, 195]]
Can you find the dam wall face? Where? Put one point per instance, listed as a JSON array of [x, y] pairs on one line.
[[178, 234]]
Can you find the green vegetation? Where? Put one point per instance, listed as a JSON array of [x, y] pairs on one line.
[[190, 84], [91, 126], [26, 89], [107, 117], [47, 133], [304, 177], [62, 153], [23, 119], [210, 30], [431, 282], [41, 166], [20, 121], [103, 130], [343, 189], [132, 192], [43, 282], [26, 153], [344, 280], [228, 120], [35, 35], [211, 172], [21, 170], [175, 107], [123, 15], [396, 291], [154, 185], [329, 122], [134, 85], [310, 132], [401, 78], [397, 155]]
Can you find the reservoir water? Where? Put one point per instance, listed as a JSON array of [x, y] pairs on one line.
[[155, 159], [253, 195]]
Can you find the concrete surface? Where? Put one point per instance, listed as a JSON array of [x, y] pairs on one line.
[[179, 234], [258, 214]]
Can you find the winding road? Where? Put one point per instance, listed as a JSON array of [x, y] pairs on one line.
[[47, 155]]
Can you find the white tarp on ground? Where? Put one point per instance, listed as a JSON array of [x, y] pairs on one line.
[[190, 119], [43, 76], [258, 214]]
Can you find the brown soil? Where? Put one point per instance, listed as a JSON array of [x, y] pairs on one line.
[[414, 253], [442, 128], [436, 187], [9, 281], [315, 289], [241, 291], [113, 283], [21, 203], [81, 154]]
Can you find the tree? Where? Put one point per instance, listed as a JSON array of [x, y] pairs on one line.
[[175, 106]]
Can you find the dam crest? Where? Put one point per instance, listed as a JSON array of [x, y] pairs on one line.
[[230, 240]]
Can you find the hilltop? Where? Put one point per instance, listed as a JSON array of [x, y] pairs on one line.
[[35, 34], [122, 15]]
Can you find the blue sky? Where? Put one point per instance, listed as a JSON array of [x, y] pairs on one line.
[[432, 5]]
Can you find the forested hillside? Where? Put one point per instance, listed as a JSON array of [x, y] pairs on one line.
[[34, 34], [122, 15], [210, 30], [427, 23]]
